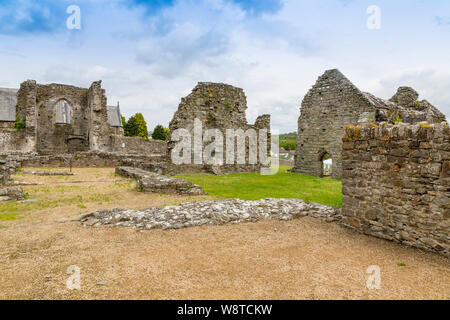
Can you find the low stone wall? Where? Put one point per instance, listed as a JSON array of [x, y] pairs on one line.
[[48, 174], [16, 140], [396, 183], [11, 193], [8, 193], [165, 167], [159, 164], [4, 172], [137, 145], [289, 163], [155, 183], [80, 160]]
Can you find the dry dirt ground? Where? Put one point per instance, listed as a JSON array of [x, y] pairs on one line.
[[300, 259]]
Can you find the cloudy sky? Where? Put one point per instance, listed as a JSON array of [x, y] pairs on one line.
[[150, 54]]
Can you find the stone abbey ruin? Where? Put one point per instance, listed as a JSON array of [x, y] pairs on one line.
[[393, 156], [60, 119], [54, 120], [221, 107], [333, 103], [59, 125]]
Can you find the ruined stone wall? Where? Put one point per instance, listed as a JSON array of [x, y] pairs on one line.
[[334, 102], [8, 193], [139, 146], [162, 165], [26, 106], [81, 159], [100, 130], [217, 106], [4, 173], [54, 137], [396, 183], [412, 110], [331, 104], [406, 97], [12, 139], [84, 125]]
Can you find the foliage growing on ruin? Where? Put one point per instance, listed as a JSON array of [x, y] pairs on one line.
[[394, 116], [229, 104], [396, 120], [353, 132], [20, 124]]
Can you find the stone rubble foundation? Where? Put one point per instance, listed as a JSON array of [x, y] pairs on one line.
[[156, 183], [11, 193], [8, 193], [43, 173], [221, 212]]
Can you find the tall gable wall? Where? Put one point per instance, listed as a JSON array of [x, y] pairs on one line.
[[218, 106], [53, 137], [331, 104]]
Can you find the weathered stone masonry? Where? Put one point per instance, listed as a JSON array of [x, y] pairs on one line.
[[152, 182], [63, 119], [333, 103], [396, 183], [6, 192], [4, 173], [218, 106]]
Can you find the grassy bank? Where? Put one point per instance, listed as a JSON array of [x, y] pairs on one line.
[[254, 186]]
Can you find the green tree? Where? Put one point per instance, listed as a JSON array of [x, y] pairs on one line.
[[288, 144], [136, 127], [124, 126], [141, 126], [167, 133], [130, 128], [160, 133]]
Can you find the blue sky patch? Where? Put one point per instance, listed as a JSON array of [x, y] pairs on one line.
[[18, 17], [257, 7], [254, 7], [153, 6]]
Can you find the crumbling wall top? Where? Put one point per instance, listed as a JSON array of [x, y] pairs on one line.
[[406, 97], [387, 132]]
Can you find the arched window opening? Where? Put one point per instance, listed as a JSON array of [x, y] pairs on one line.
[[62, 112], [327, 165]]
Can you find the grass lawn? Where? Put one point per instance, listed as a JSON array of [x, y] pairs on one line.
[[254, 186]]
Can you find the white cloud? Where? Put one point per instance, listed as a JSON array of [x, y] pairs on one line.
[[432, 85], [150, 62]]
